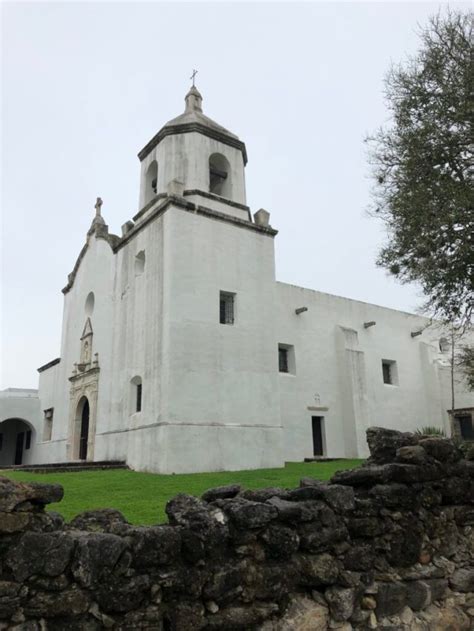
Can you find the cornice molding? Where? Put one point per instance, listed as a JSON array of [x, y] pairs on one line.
[[217, 198], [187, 128], [196, 209]]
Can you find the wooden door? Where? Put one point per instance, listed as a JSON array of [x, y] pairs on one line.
[[20, 441], [84, 431], [317, 435]]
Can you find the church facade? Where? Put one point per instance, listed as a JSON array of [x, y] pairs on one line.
[[180, 351]]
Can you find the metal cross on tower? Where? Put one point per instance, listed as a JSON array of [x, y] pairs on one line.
[[192, 77], [97, 206]]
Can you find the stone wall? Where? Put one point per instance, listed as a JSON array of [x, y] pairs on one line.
[[389, 545]]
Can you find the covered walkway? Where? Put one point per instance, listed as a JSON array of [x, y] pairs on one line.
[[17, 436]]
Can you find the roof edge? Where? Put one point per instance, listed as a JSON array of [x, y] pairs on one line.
[[187, 128]]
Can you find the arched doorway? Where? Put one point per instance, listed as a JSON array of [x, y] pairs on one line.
[[83, 415], [17, 438]]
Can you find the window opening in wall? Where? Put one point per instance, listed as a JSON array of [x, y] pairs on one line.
[[140, 263], [48, 424], [136, 395], [389, 372], [286, 359], [1, 442], [139, 398], [226, 308], [444, 345], [89, 305], [28, 439], [283, 359]]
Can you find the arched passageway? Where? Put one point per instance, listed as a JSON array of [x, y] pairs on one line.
[[17, 438]]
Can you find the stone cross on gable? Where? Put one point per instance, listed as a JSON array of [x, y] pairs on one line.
[[193, 76], [98, 206]]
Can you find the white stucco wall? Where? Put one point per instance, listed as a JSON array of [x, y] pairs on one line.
[[221, 375], [339, 367]]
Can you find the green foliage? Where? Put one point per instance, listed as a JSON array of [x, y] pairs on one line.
[[142, 497], [423, 169], [430, 430], [465, 361]]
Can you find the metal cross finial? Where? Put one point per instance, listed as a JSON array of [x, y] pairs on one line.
[[97, 206], [192, 77]]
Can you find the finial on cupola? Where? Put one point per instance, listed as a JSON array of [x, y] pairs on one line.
[[193, 97]]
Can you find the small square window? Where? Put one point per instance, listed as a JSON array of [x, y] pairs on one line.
[[226, 308], [389, 372]]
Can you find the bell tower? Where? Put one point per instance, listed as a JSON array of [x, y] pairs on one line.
[[205, 160]]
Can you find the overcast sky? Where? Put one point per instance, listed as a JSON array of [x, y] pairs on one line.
[[86, 85]]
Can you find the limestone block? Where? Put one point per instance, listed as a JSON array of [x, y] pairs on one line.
[[303, 614], [175, 187], [221, 492], [262, 218], [463, 580]]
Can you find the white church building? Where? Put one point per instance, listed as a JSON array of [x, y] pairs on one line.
[[180, 351]]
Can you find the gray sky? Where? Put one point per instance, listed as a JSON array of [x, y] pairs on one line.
[[86, 85]]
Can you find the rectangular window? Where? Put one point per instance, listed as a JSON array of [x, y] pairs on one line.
[[286, 359], [1, 442], [226, 308], [283, 359], [48, 424], [139, 397], [389, 372], [28, 439]]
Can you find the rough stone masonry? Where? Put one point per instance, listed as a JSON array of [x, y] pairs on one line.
[[389, 545]]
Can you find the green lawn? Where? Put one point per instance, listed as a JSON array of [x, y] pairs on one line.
[[142, 497]]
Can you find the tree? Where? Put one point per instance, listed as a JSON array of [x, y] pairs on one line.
[[423, 170], [465, 362]]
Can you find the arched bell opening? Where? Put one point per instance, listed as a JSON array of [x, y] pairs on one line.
[[151, 181], [17, 436], [219, 176]]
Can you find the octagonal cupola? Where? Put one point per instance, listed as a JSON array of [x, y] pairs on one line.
[[195, 155]]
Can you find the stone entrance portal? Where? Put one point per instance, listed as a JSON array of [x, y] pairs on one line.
[[83, 401]]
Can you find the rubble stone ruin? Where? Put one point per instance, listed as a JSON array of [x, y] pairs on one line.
[[387, 545]]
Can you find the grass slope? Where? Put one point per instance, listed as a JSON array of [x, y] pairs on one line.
[[142, 497]]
